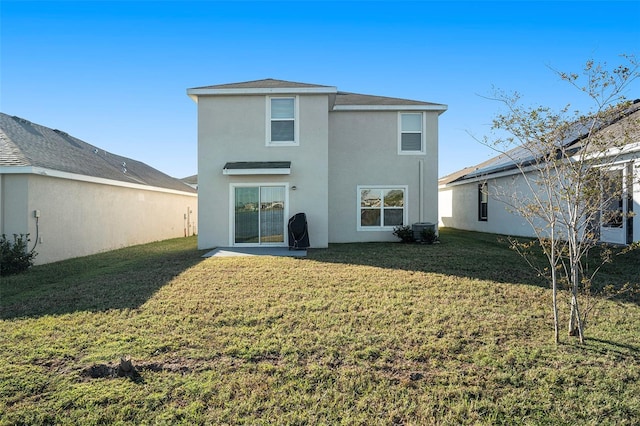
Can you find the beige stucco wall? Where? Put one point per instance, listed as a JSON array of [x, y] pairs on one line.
[[363, 150], [232, 129], [13, 203], [79, 218]]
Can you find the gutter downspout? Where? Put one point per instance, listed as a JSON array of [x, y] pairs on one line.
[[1, 204], [421, 189]]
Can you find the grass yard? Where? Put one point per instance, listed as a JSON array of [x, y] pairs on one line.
[[362, 334]]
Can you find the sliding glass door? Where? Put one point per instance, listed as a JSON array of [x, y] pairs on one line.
[[259, 215]]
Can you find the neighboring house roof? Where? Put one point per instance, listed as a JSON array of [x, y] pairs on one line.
[[571, 140], [341, 100], [23, 143], [190, 180]]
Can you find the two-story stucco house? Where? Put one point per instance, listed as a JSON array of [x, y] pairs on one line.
[[356, 165]]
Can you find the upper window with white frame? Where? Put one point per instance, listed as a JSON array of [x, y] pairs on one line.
[[411, 133], [282, 126], [381, 207]]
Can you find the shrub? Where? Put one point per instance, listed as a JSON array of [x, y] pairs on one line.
[[428, 235], [405, 233], [15, 257]]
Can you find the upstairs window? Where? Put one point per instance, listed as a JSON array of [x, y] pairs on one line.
[[281, 123], [411, 139], [483, 202]]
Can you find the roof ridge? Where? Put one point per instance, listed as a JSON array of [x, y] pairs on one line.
[[259, 83]]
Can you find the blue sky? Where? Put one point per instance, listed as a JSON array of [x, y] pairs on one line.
[[115, 73]]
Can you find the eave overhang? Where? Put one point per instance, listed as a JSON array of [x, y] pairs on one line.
[[440, 108], [327, 90]]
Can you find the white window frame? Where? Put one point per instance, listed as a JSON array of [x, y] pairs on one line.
[[296, 122], [232, 220], [483, 199], [405, 213], [423, 121]]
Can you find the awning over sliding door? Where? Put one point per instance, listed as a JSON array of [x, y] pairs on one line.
[[257, 168]]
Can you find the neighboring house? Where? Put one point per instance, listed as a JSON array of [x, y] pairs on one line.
[[192, 181], [471, 198], [356, 165], [76, 199]]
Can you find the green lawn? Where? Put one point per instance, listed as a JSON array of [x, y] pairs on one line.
[[453, 333]]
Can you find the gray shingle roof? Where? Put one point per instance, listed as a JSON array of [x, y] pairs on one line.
[[23, 143], [266, 83], [570, 139], [341, 98], [346, 98]]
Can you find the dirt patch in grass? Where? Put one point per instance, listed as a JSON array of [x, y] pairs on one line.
[[116, 369]]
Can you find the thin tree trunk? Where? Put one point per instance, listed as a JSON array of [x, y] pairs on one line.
[[554, 290], [572, 318], [556, 321], [575, 322], [576, 328]]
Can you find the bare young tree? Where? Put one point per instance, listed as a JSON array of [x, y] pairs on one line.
[[573, 173]]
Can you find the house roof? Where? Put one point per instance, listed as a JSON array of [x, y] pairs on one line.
[[192, 180], [346, 98], [23, 143], [260, 87], [265, 83], [342, 100], [569, 139]]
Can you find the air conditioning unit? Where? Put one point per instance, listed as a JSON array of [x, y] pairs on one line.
[[418, 227]]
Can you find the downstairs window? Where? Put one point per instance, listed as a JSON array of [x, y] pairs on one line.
[[381, 207]]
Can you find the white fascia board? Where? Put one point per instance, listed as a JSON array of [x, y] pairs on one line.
[[256, 171], [194, 93], [488, 176], [441, 108], [630, 148], [84, 178]]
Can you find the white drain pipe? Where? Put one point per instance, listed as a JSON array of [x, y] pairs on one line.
[[421, 188]]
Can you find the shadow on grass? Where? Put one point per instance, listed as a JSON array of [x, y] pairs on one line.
[[471, 255], [607, 346], [459, 253], [118, 279]]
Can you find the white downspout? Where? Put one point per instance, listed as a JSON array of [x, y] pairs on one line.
[[1, 204], [421, 189]]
